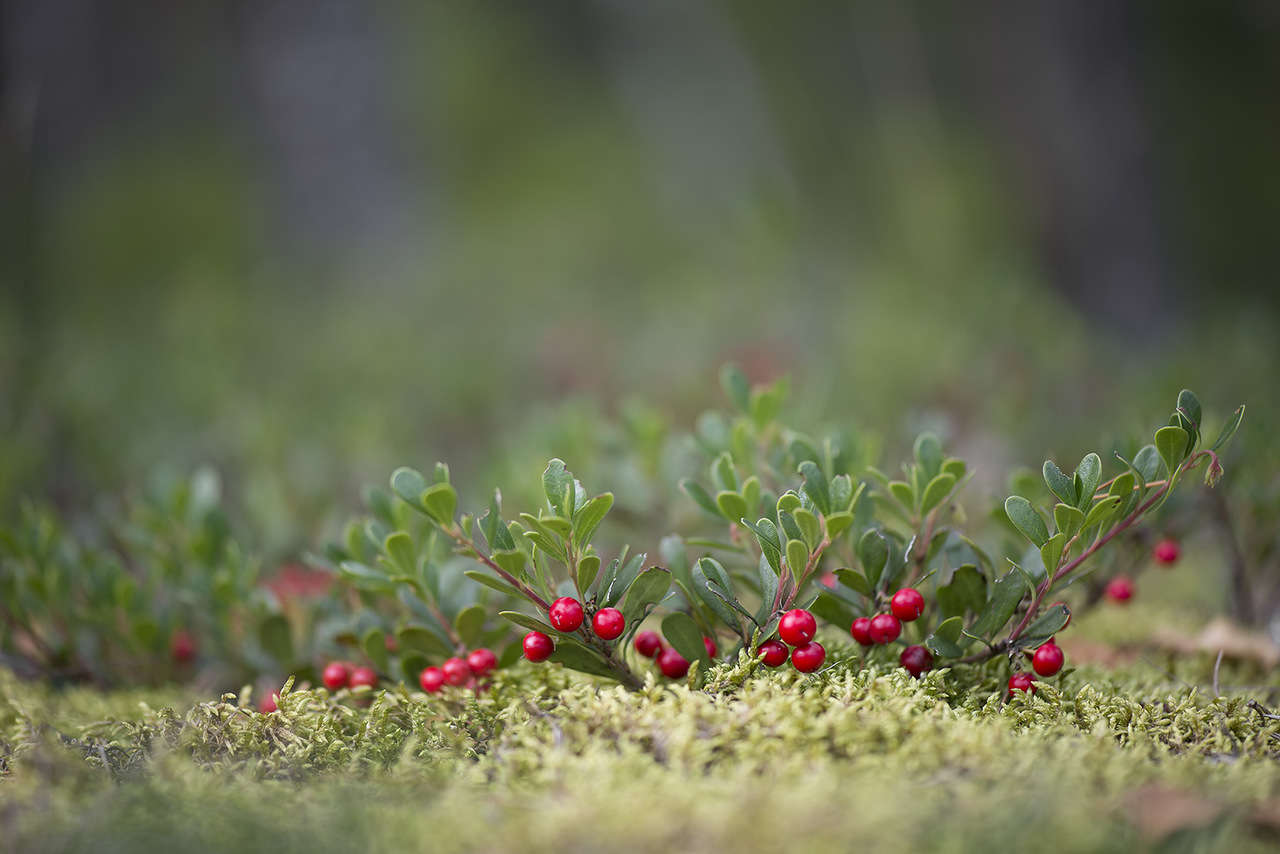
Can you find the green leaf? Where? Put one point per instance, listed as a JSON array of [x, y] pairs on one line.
[[422, 640], [1069, 519], [838, 523], [768, 589], [623, 578], [1005, 595], [512, 560], [1051, 551], [1059, 484], [928, 454], [944, 642], [1171, 443], [732, 505], [873, 553], [767, 536], [685, 637], [1229, 429], [854, 580], [492, 582], [722, 474], [1101, 511], [797, 556], [815, 486], [810, 527], [374, 644], [1189, 410], [751, 495], [470, 623], [409, 486], [954, 467], [1123, 489], [557, 485], [1026, 519], [1048, 624], [1149, 464], [1088, 476], [902, 491], [700, 497], [708, 577], [588, 518], [789, 525], [588, 568], [364, 578], [965, 593], [399, 548], [575, 656], [440, 501], [735, 385], [788, 502], [648, 589], [832, 610], [276, 639], [937, 490], [524, 621]]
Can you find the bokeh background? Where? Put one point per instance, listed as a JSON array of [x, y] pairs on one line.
[[304, 241]]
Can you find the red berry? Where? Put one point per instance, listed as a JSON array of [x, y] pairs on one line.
[[907, 604], [365, 676], [1021, 682], [267, 704], [481, 661], [1048, 659], [431, 679], [710, 644], [1120, 589], [538, 647], [608, 623], [884, 628], [672, 664], [335, 676], [916, 660], [829, 581], [797, 627], [809, 657], [861, 631], [566, 614], [1167, 551], [182, 646], [773, 653], [456, 671], [648, 643]]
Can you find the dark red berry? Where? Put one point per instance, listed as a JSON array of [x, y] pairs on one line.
[[809, 657], [710, 644], [365, 676], [1021, 682], [1167, 551], [861, 631], [566, 614], [335, 675], [916, 660], [481, 661], [884, 628], [608, 623], [431, 679], [1120, 589], [456, 671], [538, 647], [1048, 659], [267, 704], [773, 653], [797, 627], [672, 664], [907, 604], [648, 643], [182, 646]]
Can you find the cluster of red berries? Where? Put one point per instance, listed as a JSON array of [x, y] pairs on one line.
[[339, 674], [672, 664], [459, 671], [566, 615], [796, 628], [906, 606], [1046, 661]]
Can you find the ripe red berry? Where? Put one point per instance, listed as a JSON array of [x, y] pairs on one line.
[[267, 704], [608, 623], [363, 676], [456, 671], [861, 631], [829, 580], [710, 644], [809, 657], [797, 627], [672, 664], [538, 647], [481, 661], [1167, 551], [431, 679], [916, 660], [1048, 659], [182, 646], [773, 653], [884, 628], [1120, 589], [335, 675], [566, 614], [907, 604], [648, 643], [1021, 682]]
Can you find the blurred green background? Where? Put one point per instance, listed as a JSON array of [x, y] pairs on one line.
[[305, 241]]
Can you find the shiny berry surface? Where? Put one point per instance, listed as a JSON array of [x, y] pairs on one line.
[[431, 679], [482, 661], [773, 653], [916, 660], [648, 643], [711, 647], [797, 627], [907, 604], [335, 675], [672, 664], [537, 646], [861, 631], [456, 671], [608, 623], [809, 657], [566, 614], [1021, 682], [884, 628], [365, 676], [1048, 659]]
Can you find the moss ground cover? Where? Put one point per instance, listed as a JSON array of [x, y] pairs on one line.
[[1143, 758]]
